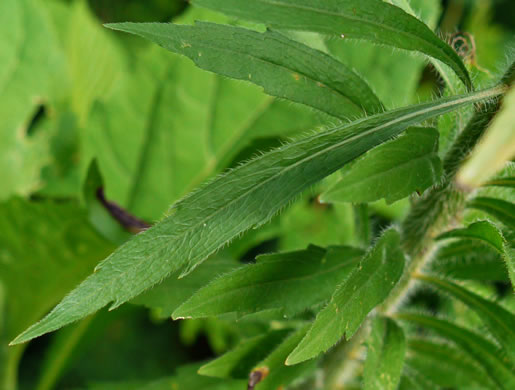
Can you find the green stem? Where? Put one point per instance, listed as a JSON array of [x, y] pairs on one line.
[[9, 371]]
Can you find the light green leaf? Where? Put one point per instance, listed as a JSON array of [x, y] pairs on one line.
[[502, 210], [167, 296], [283, 67], [350, 19], [293, 281], [238, 363], [446, 365], [243, 198], [385, 355], [366, 287], [30, 67], [392, 171], [487, 354], [46, 248], [498, 320]]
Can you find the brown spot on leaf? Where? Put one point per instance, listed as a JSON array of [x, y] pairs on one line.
[[256, 376]]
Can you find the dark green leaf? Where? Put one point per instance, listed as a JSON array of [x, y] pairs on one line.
[[487, 354], [238, 363], [446, 365], [366, 287], [243, 198], [468, 259], [502, 210], [393, 170], [499, 321], [279, 375], [283, 67], [372, 20], [385, 355], [292, 281], [501, 182]]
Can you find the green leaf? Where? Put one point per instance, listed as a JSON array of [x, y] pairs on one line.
[[502, 210], [238, 363], [393, 170], [385, 355], [482, 350], [446, 365], [143, 135], [482, 230], [167, 296], [30, 67], [498, 320], [243, 198], [488, 233], [366, 287], [350, 19], [468, 259], [501, 182], [279, 374], [283, 67], [292, 281], [412, 379], [46, 248]]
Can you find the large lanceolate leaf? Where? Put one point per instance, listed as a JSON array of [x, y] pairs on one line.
[[171, 126], [372, 20], [243, 198], [499, 321], [366, 287], [487, 354], [393, 170], [385, 355], [283, 67], [292, 282]]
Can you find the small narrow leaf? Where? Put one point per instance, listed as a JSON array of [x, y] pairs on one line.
[[372, 20], [243, 198], [482, 230], [239, 362], [279, 375], [501, 182], [502, 210], [392, 171], [498, 368], [292, 281], [366, 287], [467, 259], [498, 320], [283, 67], [445, 364], [385, 355]]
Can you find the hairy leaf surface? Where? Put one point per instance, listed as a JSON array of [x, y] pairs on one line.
[[292, 281], [367, 286], [486, 353], [503, 210], [392, 171], [243, 198], [372, 20], [283, 67], [499, 321], [385, 355]]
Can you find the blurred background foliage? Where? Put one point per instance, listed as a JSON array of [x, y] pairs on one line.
[[83, 107]]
